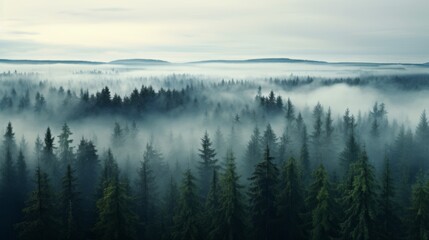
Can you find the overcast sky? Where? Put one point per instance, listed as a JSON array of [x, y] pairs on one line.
[[186, 30]]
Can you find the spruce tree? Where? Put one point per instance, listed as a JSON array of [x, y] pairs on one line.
[[116, 218], [388, 221], [87, 175], [419, 212], [212, 208], [206, 165], [146, 199], [65, 151], [40, 221], [262, 194], [253, 152], [48, 159], [360, 210], [70, 207], [290, 203], [8, 195], [170, 209], [231, 224], [187, 220], [321, 205]]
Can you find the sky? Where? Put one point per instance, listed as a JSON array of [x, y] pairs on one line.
[[190, 30]]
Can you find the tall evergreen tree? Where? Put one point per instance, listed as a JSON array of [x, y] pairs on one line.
[[419, 217], [206, 165], [253, 152], [186, 222], [321, 205], [87, 174], [231, 222], [360, 212], [146, 197], [49, 160], [170, 209], [70, 208], [262, 194], [290, 203], [212, 211], [388, 221], [304, 156], [40, 222], [116, 218], [65, 151]]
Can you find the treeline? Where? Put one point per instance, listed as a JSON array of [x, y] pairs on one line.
[[296, 186]]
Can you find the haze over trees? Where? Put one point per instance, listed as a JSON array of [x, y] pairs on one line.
[[185, 158]]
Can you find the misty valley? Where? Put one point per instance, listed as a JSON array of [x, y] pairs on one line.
[[214, 150]]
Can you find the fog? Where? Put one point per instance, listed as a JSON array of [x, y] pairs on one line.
[[163, 111]]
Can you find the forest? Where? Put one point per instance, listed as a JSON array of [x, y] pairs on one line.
[[109, 154]]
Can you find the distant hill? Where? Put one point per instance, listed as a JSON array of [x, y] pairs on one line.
[[141, 61], [138, 61], [263, 60], [10, 61]]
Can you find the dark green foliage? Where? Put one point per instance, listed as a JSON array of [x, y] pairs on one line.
[[116, 217], [419, 212], [87, 174], [253, 151], [360, 208], [65, 150], [146, 199], [304, 157], [49, 160], [40, 222], [170, 209], [212, 208], [70, 207], [8, 183], [320, 202], [351, 151], [262, 197], [230, 221], [206, 165], [290, 203], [187, 224], [387, 219], [269, 139]]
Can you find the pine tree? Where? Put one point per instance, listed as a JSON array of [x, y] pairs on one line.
[[109, 173], [49, 160], [186, 221], [388, 221], [290, 203], [253, 151], [170, 209], [146, 197], [304, 155], [70, 208], [22, 183], [8, 195], [321, 205], [231, 224], [212, 208], [419, 217], [65, 151], [116, 218], [290, 111], [87, 174], [269, 139], [206, 165], [262, 194], [40, 222], [351, 151], [360, 210]]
